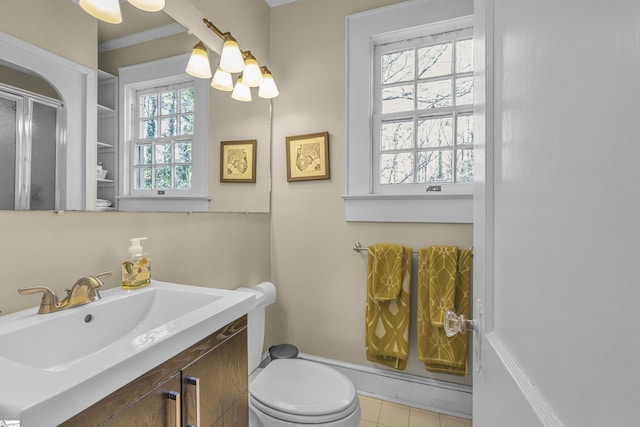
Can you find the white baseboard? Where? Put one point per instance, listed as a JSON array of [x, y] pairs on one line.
[[411, 390]]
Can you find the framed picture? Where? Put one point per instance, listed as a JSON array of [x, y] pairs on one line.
[[238, 161], [308, 157]]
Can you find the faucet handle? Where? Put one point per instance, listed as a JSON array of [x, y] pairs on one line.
[[49, 298], [95, 280], [35, 289], [101, 275]]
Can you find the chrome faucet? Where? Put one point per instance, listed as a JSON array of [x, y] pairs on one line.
[[84, 291]]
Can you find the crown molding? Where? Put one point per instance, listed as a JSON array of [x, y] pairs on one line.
[[274, 3]]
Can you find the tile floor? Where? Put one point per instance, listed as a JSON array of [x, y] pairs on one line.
[[380, 413]]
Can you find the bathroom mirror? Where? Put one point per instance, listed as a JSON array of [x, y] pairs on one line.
[[142, 37]]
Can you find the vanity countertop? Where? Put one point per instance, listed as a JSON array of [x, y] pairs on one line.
[[58, 364]]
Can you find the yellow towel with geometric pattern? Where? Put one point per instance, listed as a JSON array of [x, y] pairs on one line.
[[444, 282], [387, 319], [385, 270]]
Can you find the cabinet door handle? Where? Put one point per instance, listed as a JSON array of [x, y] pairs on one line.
[[177, 407], [194, 381]]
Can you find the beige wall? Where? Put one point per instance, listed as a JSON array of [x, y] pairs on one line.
[[49, 249], [25, 81], [54, 26], [320, 279]]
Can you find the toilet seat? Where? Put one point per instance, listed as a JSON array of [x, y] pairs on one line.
[[304, 392]]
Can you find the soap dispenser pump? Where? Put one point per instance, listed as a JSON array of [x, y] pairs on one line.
[[136, 271]]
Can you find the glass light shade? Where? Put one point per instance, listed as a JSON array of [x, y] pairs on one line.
[[148, 5], [241, 92], [268, 88], [104, 10], [251, 76], [222, 80], [231, 57], [198, 65]]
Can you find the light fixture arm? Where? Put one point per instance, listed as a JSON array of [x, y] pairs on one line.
[[213, 28], [210, 25]]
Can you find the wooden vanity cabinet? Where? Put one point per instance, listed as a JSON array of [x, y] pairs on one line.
[[156, 408], [205, 386]]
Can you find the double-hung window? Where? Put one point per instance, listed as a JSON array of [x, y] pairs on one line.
[[163, 145], [409, 110], [163, 139], [423, 114]]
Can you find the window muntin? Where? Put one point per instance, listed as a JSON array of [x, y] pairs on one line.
[[423, 113], [163, 138]]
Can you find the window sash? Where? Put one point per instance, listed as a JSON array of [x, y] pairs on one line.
[[140, 140], [415, 115]]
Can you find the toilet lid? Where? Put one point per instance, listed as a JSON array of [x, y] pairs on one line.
[[303, 388]]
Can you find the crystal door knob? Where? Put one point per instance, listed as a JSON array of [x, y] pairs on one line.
[[454, 324]]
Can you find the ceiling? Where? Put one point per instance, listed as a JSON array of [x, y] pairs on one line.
[[136, 21], [274, 3]]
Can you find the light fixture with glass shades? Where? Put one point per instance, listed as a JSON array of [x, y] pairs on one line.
[[198, 65], [109, 10], [232, 60], [148, 5], [222, 80], [251, 75], [241, 91], [104, 10], [268, 88]]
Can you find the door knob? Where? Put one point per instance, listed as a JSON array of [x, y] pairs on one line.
[[454, 324]]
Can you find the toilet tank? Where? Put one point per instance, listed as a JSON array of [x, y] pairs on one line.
[[265, 294]]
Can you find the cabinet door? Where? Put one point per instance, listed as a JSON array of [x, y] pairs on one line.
[[216, 382], [159, 408], [237, 415]]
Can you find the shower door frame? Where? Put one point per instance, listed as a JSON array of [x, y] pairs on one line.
[[24, 136]]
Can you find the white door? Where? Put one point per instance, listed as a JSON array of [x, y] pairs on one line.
[[557, 220]]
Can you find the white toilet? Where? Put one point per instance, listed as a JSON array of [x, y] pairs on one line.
[[293, 392]]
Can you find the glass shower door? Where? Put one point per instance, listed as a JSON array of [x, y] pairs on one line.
[[8, 133], [29, 139], [42, 191]]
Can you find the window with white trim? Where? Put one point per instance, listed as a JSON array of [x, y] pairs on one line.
[[410, 113], [163, 150]]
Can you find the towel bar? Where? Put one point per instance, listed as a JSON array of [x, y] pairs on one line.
[[357, 247]]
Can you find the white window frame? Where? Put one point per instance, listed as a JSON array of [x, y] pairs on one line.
[[415, 115], [177, 87], [163, 72], [363, 32]]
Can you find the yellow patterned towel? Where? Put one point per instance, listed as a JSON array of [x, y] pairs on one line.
[[385, 270], [387, 321], [444, 282]]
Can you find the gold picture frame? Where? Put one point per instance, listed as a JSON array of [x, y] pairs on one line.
[[308, 156], [238, 161]]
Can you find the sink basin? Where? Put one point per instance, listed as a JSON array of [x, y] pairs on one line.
[[55, 365], [57, 341]]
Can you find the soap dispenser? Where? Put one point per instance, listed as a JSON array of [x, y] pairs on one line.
[[136, 271]]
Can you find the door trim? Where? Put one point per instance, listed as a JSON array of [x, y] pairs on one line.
[[529, 392]]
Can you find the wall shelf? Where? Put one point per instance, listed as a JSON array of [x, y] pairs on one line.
[[107, 144]]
